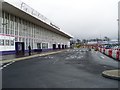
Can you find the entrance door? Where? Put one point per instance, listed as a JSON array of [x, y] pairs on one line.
[[63, 47], [54, 46], [20, 48], [59, 47]]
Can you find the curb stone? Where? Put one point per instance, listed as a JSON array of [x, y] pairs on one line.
[[112, 74]]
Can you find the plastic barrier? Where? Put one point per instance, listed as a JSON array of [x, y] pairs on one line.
[[98, 48], [107, 51], [102, 50], [110, 53], [118, 55], [114, 54]]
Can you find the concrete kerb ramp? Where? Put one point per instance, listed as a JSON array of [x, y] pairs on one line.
[[112, 74]]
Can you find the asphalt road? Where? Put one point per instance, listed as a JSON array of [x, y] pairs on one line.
[[75, 68]]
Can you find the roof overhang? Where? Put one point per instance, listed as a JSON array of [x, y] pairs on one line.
[[22, 14]]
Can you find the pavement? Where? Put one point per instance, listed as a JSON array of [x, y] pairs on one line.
[[14, 58], [74, 68]]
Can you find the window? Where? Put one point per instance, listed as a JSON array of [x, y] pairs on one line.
[[2, 42], [44, 45], [7, 42], [2, 30], [38, 45], [20, 39], [16, 39], [12, 42]]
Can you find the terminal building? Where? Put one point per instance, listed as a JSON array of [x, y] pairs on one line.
[[21, 26]]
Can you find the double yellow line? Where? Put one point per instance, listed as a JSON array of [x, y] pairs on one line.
[[29, 57]]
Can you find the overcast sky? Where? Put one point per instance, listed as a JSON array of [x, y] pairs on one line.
[[81, 18]]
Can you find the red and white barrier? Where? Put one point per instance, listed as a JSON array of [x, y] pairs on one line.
[[111, 53], [118, 55], [114, 54], [107, 51], [98, 48]]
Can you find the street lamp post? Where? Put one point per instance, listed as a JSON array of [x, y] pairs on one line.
[[118, 33]]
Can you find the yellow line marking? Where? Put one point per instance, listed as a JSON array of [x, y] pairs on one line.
[[28, 57]]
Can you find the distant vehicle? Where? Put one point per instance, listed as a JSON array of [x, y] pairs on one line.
[[108, 46], [116, 47]]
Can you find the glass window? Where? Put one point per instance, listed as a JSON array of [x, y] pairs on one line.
[[16, 39], [20, 39], [6, 23], [38, 45], [16, 32], [3, 22], [12, 42], [7, 42], [2, 42], [44, 45]]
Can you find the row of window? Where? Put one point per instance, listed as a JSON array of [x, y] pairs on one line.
[[16, 26], [44, 45], [11, 23], [6, 42]]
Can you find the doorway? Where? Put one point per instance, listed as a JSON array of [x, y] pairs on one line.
[[19, 48], [54, 46], [63, 47], [59, 47]]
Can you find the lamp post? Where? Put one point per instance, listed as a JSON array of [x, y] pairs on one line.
[[118, 33]]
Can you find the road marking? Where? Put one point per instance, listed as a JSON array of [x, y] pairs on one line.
[[29, 57], [102, 57], [4, 66], [55, 61], [1, 68]]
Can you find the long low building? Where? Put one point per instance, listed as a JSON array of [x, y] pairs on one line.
[[21, 26]]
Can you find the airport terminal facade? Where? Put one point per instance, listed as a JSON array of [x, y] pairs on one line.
[[22, 26]]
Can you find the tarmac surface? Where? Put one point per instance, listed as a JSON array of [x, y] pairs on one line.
[[74, 68]]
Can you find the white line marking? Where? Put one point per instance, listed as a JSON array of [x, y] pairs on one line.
[[102, 57], [7, 65], [4, 66], [1, 68], [55, 61]]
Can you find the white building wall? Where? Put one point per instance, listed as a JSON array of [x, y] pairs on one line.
[[19, 30], [29, 33]]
